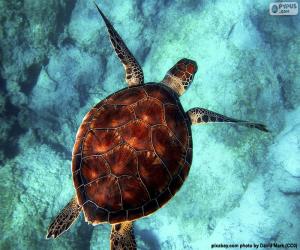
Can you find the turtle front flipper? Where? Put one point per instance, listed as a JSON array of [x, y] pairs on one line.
[[134, 73], [181, 75], [64, 219], [122, 237], [200, 116]]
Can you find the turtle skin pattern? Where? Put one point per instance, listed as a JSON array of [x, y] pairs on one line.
[[132, 153]]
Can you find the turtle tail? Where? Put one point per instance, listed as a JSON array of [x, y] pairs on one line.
[[64, 219]]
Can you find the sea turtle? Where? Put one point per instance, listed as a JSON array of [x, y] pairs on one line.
[[133, 150]]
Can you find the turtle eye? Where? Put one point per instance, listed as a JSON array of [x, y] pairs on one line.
[[191, 68], [181, 66]]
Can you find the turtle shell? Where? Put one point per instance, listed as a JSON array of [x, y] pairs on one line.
[[132, 153]]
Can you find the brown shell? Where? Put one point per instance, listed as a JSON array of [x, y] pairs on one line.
[[132, 153]]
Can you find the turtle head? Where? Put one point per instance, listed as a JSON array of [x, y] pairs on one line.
[[181, 75]]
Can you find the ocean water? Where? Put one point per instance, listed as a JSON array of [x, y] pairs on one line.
[[56, 62]]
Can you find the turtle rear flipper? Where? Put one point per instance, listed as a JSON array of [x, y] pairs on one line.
[[122, 237], [64, 219]]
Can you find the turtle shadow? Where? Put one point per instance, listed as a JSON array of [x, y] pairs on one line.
[[149, 238]]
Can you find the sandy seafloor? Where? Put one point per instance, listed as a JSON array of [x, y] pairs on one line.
[[57, 62]]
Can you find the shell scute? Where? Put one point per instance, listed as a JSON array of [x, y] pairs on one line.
[[105, 193], [77, 178], [149, 166], [134, 213], [150, 111], [89, 115], [133, 192], [84, 127], [184, 171], [137, 135], [175, 184], [189, 154], [160, 93], [124, 97], [176, 123], [164, 197], [93, 168], [168, 148], [81, 196], [94, 213], [150, 207], [122, 161], [76, 162], [115, 217], [100, 141], [77, 148], [111, 116]]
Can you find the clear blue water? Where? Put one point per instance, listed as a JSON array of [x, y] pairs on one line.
[[57, 62]]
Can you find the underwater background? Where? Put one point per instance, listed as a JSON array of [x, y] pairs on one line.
[[57, 62]]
